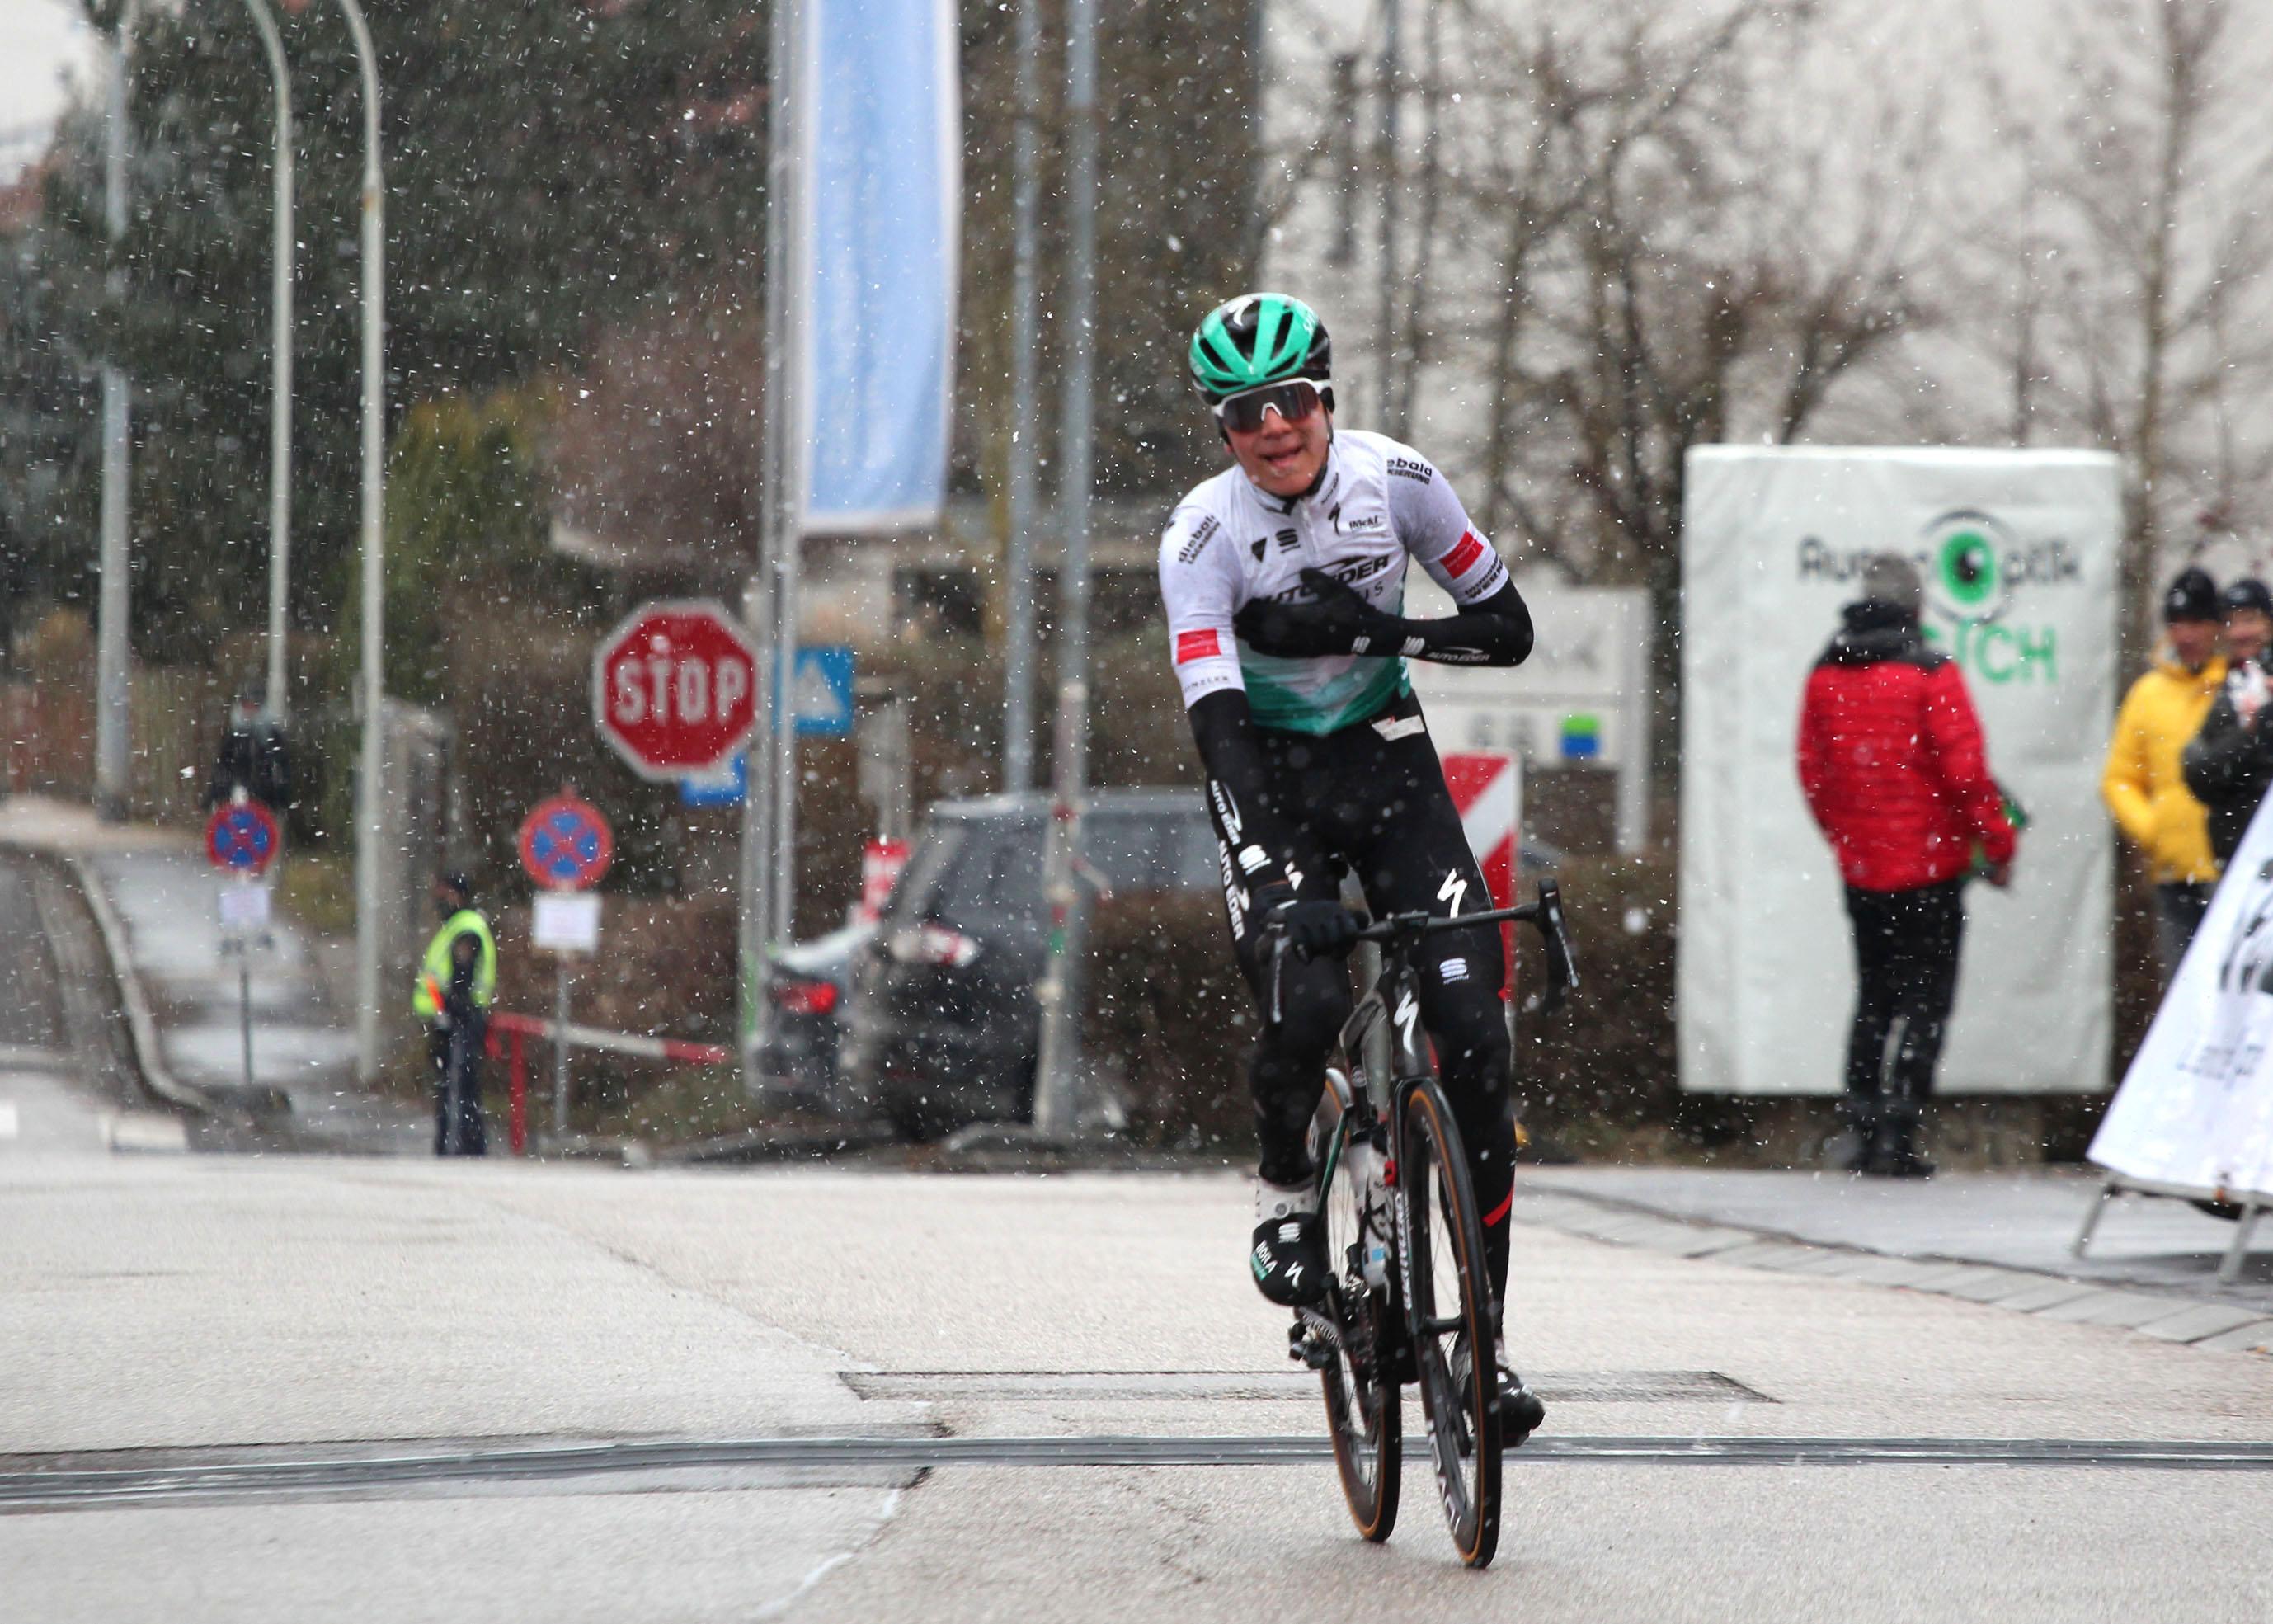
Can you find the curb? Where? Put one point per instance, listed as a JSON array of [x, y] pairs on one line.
[[149, 1056], [2211, 1323]]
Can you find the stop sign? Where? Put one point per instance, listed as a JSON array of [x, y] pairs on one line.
[[674, 688]]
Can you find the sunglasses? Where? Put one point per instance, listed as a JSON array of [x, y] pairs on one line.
[[1294, 401]]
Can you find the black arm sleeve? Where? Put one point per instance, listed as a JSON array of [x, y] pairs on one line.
[[2217, 761], [465, 953], [1494, 632], [1257, 832]]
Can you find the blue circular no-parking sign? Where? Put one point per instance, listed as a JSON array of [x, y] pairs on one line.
[[566, 845], [242, 837]]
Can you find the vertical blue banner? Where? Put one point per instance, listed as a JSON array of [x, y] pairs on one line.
[[883, 175]]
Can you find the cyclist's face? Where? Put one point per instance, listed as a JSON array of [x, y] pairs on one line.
[[1282, 457]]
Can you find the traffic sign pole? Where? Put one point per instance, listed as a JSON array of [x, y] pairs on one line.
[[566, 845], [242, 839]]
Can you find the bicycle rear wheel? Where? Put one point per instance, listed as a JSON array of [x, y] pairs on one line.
[[1364, 1416], [1448, 1304]]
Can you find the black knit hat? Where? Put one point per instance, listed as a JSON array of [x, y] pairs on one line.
[[2191, 596], [2248, 593]]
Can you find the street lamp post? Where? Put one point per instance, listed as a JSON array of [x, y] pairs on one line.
[[368, 785], [1058, 1094], [279, 369], [113, 649], [1018, 598]]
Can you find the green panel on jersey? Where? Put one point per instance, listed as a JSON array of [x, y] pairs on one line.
[[1360, 693]]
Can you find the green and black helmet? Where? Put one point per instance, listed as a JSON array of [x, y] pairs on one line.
[[1259, 339]]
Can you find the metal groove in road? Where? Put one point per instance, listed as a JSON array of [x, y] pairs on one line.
[[1130, 1387], [182, 1476]]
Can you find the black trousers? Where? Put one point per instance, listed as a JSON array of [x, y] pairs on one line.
[[2180, 906], [1906, 946], [444, 1049], [1377, 807]]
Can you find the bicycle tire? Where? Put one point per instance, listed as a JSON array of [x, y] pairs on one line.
[[1364, 1407], [1442, 1233]]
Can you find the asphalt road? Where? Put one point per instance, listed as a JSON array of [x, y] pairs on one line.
[[291, 1387]]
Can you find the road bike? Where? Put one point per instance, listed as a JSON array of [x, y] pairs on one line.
[[1410, 1299]]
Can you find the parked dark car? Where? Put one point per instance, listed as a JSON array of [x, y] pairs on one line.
[[809, 986], [943, 1028]]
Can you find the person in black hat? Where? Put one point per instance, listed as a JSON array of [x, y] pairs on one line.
[[253, 756], [2142, 781], [1895, 768], [456, 984], [2248, 605], [2228, 764]]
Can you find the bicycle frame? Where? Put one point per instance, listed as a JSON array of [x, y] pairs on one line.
[[1384, 1034]]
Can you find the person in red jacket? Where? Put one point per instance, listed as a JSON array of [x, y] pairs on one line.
[[1894, 767]]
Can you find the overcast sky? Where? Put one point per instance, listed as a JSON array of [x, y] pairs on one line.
[[40, 42]]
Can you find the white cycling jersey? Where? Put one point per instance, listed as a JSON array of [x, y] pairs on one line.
[[1229, 543]]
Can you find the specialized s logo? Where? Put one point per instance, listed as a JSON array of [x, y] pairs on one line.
[[1406, 467]]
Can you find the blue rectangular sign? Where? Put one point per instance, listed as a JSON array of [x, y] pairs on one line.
[[722, 788], [883, 145], [820, 693]]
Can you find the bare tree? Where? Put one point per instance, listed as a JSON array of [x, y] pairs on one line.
[[2129, 258]]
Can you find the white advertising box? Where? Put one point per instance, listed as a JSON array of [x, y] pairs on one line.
[[2196, 1111], [2018, 553]]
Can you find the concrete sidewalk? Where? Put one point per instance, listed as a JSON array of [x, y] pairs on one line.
[[2001, 1237], [159, 902]]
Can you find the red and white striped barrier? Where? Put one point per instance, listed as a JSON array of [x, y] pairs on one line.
[[511, 1033], [1487, 787]]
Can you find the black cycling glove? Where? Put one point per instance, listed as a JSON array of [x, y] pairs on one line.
[[1495, 631], [1315, 926], [1339, 622]]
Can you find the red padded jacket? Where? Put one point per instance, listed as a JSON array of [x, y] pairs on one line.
[[1892, 762]]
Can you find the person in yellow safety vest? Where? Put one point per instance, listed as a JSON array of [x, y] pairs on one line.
[[2142, 782], [456, 984]]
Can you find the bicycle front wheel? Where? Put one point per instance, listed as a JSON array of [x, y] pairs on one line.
[[1364, 1416], [1448, 1312]]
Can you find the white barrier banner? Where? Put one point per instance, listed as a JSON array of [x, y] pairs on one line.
[[2195, 1110], [2017, 550]]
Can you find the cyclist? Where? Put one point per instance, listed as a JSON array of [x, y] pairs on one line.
[[1283, 577]]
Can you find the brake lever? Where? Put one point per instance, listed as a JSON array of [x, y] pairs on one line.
[[1561, 971]]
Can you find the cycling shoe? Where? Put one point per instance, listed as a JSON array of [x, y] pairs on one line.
[[1289, 1260], [1521, 1410]]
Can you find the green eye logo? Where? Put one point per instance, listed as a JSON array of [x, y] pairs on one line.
[[1967, 557], [1968, 567]]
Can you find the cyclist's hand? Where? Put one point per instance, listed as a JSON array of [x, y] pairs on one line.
[[1315, 926]]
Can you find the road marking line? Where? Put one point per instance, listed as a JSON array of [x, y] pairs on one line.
[[7, 1119]]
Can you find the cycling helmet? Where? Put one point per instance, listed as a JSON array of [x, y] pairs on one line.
[[1255, 340]]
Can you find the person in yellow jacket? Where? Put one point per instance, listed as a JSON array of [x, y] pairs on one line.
[[456, 984], [2143, 784]]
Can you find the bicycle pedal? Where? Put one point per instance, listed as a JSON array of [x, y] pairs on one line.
[[1305, 1346]]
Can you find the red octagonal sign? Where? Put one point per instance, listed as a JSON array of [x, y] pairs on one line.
[[674, 688]]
